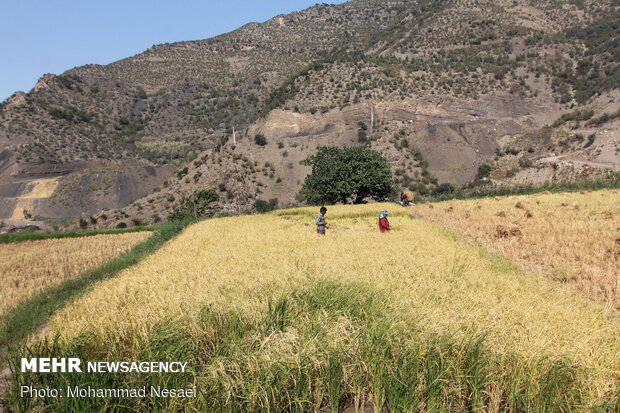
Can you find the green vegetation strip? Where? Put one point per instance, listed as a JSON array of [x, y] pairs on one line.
[[328, 344], [35, 236], [30, 314], [480, 191]]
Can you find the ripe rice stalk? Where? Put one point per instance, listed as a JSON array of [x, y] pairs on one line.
[[427, 286], [31, 266], [570, 237]]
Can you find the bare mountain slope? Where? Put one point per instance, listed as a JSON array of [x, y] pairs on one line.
[[492, 78]]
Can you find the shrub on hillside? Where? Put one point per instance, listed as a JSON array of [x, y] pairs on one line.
[[260, 140], [264, 206], [422, 189], [444, 189], [484, 171], [197, 205]]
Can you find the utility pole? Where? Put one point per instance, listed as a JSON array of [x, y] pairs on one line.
[[372, 118], [234, 138]]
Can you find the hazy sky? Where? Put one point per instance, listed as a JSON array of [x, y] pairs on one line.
[[52, 36]]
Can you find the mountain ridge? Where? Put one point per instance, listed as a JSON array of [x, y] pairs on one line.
[[175, 103]]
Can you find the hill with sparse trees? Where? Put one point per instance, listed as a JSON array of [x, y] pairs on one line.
[[461, 92]]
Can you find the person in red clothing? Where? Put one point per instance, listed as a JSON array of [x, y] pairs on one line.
[[384, 224]]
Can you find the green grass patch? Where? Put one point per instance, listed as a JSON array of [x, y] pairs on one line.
[[327, 344], [35, 236], [481, 191]]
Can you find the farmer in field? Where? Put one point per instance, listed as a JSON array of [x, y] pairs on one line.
[[406, 198], [384, 224], [321, 224]]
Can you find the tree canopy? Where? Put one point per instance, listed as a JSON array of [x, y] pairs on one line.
[[347, 175]]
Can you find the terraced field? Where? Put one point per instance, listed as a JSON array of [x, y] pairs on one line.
[[571, 237], [29, 267], [271, 316]]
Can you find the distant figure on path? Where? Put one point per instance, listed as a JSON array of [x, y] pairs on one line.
[[321, 224], [384, 224]]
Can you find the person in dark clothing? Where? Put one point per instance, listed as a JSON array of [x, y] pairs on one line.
[[321, 224], [403, 198], [406, 198]]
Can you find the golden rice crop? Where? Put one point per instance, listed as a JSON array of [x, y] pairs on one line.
[[431, 276], [31, 266], [572, 237]]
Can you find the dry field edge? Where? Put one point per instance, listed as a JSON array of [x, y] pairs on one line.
[[28, 315], [572, 238], [28, 267]]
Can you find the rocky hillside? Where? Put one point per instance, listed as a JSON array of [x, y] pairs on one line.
[[527, 88]]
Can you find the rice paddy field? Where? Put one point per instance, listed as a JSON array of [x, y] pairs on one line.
[[29, 267], [271, 316], [570, 237]]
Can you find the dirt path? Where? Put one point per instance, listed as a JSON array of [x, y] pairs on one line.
[[43, 188], [19, 211], [602, 165]]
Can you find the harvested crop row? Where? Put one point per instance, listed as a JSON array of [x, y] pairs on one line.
[[32, 266], [572, 237]]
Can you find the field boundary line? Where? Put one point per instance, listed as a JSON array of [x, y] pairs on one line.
[[37, 236], [30, 314]]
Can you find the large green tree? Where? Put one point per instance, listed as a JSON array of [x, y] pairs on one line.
[[347, 175]]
